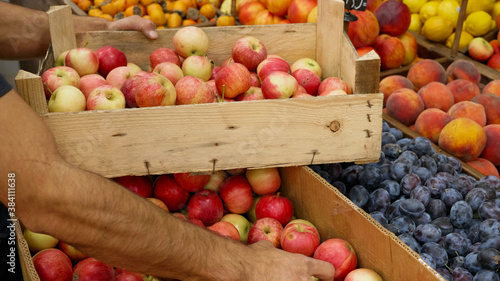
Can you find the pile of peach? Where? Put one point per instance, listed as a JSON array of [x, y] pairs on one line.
[[451, 108]]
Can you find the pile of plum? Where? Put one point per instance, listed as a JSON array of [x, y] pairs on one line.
[[451, 219]]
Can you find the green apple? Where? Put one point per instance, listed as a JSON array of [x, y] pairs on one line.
[[251, 213], [39, 241], [216, 180], [67, 98], [241, 224]]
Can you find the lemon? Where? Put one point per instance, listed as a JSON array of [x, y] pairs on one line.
[[479, 5], [437, 29], [415, 23], [465, 39], [450, 10], [478, 23], [428, 10], [496, 10], [414, 5]]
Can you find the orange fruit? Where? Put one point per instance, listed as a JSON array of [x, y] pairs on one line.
[[119, 5], [107, 16], [188, 22], [95, 12], [134, 10], [155, 12], [207, 10], [225, 21], [147, 2], [84, 4], [146, 17], [160, 27], [129, 3], [169, 6], [175, 20], [180, 8], [98, 2], [108, 8]]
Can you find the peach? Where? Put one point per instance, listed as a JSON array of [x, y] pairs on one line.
[[436, 95], [392, 83], [299, 10], [493, 87], [463, 138], [484, 166], [249, 11], [426, 71], [496, 46], [463, 69], [365, 30], [394, 17], [491, 151], [372, 5], [405, 105], [391, 51], [364, 50], [469, 109], [263, 17], [430, 123], [410, 43], [463, 90], [494, 61], [491, 104]]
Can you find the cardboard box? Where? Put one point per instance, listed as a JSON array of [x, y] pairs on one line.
[[204, 137], [335, 216]]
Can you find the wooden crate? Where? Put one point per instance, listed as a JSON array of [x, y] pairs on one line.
[[204, 137], [335, 216]]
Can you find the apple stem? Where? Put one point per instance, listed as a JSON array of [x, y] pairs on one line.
[[85, 45], [47, 87], [229, 61], [277, 194], [223, 91]]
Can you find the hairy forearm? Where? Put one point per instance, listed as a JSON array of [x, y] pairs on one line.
[[99, 217], [24, 32]]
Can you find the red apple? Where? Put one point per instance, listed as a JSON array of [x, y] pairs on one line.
[[198, 66], [274, 206], [170, 70], [496, 46], [83, 60], [215, 70], [53, 265], [189, 41], [191, 182], [163, 55], [480, 49], [74, 254], [255, 80], [306, 63], [225, 229], [254, 93], [181, 216], [134, 68], [301, 93], [105, 97], [264, 181], [300, 238], [236, 171], [266, 229], [299, 10], [89, 82], [129, 88], [363, 274], [270, 65], [249, 11], [196, 222], [236, 193], [158, 203], [140, 185], [333, 92], [303, 222], [307, 79], [340, 254], [233, 80], [58, 76], [333, 83], [207, 206], [154, 90], [192, 90], [264, 17], [67, 98], [216, 180], [279, 85], [118, 75], [91, 269], [109, 59], [249, 51], [170, 192], [129, 276], [251, 213]]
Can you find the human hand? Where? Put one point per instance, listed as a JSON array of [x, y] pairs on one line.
[[270, 263], [137, 23]]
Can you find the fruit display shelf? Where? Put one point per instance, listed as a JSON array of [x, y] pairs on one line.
[[204, 137], [335, 216]]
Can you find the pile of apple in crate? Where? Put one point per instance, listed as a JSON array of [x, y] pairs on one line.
[[243, 205]]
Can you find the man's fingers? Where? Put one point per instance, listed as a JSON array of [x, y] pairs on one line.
[[137, 23], [321, 269]]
